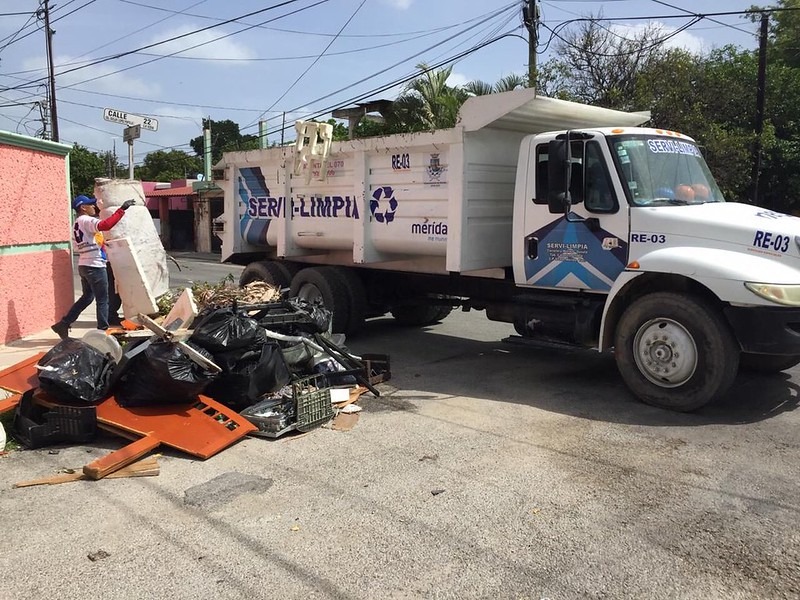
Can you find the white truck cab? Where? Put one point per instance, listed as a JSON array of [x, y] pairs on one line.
[[691, 282], [571, 222]]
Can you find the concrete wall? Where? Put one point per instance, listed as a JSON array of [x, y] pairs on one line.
[[35, 225]]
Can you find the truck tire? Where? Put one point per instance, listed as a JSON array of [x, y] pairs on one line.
[[675, 351], [323, 285], [416, 315], [269, 271], [444, 312], [357, 297], [767, 363]]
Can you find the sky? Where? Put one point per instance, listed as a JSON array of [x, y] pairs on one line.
[[247, 60]]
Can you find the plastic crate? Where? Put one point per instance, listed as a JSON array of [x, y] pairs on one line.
[[36, 426], [277, 313], [311, 400]]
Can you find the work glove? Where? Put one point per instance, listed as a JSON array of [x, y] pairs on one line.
[[127, 204]]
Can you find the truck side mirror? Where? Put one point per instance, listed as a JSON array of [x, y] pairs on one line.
[[557, 176]]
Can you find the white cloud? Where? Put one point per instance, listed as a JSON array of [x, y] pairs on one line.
[[457, 79], [399, 4], [226, 48], [117, 83], [683, 40]]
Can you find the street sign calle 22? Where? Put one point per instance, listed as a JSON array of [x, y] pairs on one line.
[[129, 119]]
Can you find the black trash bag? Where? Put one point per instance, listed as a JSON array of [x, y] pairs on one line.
[[248, 375], [162, 374], [75, 371], [271, 372], [227, 329], [319, 316]]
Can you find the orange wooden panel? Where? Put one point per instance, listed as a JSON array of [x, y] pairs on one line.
[[97, 469], [201, 429], [22, 376]]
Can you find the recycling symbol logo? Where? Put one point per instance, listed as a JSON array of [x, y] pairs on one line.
[[383, 204]]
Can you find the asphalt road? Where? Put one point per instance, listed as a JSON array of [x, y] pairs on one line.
[[485, 469]]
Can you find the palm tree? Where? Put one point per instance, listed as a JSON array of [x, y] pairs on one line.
[[436, 102], [505, 84]]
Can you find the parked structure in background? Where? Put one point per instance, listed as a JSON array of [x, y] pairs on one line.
[[184, 210], [35, 255]]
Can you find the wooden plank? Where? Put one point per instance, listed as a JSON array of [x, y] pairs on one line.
[[201, 429], [21, 377], [10, 403], [97, 469], [147, 467]]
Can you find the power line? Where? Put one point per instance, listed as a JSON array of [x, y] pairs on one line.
[[174, 38], [404, 60], [316, 60], [351, 35], [697, 15]]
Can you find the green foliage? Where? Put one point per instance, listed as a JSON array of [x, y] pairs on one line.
[[84, 166], [225, 137], [166, 165], [711, 97]]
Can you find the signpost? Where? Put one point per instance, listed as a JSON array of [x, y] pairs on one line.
[[128, 135], [135, 124]]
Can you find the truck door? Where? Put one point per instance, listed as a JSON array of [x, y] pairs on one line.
[[588, 250]]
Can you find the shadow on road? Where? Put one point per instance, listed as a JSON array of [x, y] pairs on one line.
[[581, 383]]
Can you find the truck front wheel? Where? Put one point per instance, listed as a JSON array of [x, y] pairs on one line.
[[675, 351]]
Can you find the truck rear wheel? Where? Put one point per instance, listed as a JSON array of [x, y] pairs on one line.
[[767, 363], [357, 298], [417, 315], [675, 351], [323, 285], [269, 271]]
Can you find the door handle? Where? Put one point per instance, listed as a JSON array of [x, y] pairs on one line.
[[532, 247]]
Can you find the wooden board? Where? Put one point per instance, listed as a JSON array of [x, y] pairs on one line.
[[22, 376], [19, 378], [114, 461], [146, 467], [201, 429]]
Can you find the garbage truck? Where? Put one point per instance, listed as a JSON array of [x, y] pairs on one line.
[[573, 223]]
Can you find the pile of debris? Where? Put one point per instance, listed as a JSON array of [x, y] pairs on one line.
[[197, 381]]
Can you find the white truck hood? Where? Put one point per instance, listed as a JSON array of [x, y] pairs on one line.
[[750, 227], [724, 240]]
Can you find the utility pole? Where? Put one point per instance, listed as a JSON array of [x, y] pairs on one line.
[[49, 36], [760, 95], [530, 16]]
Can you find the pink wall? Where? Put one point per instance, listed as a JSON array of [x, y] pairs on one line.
[[36, 291], [36, 286], [32, 186]]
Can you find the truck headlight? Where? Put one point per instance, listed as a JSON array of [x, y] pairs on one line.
[[788, 295]]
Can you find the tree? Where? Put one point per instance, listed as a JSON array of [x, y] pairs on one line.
[[427, 102], [225, 137], [596, 65], [507, 83], [166, 165], [84, 167]]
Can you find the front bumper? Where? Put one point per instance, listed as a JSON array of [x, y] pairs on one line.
[[766, 330]]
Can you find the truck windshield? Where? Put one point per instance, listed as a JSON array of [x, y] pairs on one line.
[[661, 170]]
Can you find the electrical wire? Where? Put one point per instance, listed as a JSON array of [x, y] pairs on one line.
[[351, 35], [316, 60], [400, 62], [713, 20], [201, 44]]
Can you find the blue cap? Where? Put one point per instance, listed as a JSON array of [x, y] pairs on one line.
[[81, 200]]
